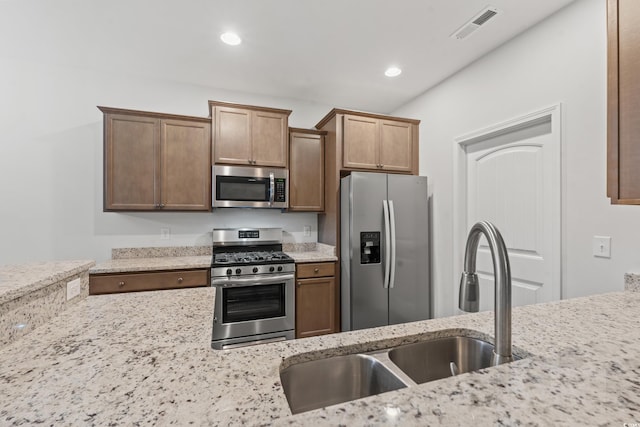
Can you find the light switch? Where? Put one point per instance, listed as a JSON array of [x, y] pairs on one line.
[[602, 246]]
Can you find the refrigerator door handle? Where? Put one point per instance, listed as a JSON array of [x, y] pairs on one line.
[[392, 271], [387, 244]]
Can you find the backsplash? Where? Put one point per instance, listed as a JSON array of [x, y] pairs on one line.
[[159, 252], [632, 282]]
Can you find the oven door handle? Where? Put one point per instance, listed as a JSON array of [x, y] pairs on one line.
[[251, 280]]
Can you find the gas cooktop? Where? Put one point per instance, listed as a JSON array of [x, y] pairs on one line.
[[254, 257]]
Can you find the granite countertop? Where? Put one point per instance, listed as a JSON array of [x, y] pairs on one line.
[[19, 280], [145, 358], [130, 260], [130, 265]]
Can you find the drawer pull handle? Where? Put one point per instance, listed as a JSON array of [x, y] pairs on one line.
[[121, 284], [179, 279], [315, 270]]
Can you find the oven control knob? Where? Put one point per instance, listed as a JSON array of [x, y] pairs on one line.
[[229, 271], [255, 269], [271, 269], [279, 268], [238, 271]]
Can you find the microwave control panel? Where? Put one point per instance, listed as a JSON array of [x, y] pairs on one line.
[[281, 192]]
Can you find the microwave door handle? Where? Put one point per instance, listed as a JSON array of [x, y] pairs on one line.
[[272, 188]]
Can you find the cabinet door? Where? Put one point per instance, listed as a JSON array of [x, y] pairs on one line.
[[315, 307], [232, 141], [396, 144], [306, 173], [269, 139], [360, 142], [623, 174], [131, 162], [186, 170]]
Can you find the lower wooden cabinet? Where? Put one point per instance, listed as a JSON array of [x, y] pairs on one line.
[[316, 302], [148, 281]]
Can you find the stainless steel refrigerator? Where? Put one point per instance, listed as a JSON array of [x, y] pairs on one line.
[[385, 266]]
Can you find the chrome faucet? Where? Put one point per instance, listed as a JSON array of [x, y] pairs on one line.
[[470, 293]]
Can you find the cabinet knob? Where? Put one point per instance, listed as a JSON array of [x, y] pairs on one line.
[[162, 205], [179, 279], [315, 270], [121, 284], [250, 161]]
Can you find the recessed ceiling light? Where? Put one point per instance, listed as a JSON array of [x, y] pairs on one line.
[[231, 39], [393, 72]]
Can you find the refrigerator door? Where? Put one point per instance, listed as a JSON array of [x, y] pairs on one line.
[[364, 297], [410, 296]]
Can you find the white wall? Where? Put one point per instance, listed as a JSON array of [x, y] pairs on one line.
[[562, 59], [51, 164]]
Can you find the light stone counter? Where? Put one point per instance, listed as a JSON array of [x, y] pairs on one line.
[[145, 359], [128, 265], [129, 260], [31, 294]]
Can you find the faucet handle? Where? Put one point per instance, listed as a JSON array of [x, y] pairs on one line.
[[469, 298]]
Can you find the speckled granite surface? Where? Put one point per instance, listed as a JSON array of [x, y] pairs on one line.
[[125, 265], [632, 282], [161, 251], [32, 294], [145, 358], [127, 260], [312, 252]]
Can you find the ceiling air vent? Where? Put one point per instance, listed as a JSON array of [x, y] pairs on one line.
[[474, 23]]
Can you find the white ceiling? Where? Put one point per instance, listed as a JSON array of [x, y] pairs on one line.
[[327, 51]]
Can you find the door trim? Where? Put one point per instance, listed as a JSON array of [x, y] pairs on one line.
[[461, 143]]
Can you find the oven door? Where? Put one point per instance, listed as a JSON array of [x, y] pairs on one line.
[[253, 305]]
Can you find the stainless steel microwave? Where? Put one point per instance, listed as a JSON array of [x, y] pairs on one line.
[[249, 187]]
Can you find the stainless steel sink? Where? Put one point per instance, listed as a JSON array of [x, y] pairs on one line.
[[320, 383], [324, 382], [441, 358]]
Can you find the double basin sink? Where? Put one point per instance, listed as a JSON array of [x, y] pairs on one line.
[[319, 383]]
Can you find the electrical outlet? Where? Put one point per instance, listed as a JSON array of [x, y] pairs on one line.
[[165, 233], [307, 230], [73, 289], [602, 246]]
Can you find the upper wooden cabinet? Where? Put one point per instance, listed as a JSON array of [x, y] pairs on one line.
[[306, 170], [623, 121], [156, 161], [249, 135], [374, 142]]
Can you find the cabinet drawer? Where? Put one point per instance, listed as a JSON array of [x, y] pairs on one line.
[[319, 269], [111, 283]]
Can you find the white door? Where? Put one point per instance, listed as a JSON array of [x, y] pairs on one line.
[[513, 180]]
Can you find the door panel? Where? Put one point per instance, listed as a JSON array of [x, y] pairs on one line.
[[410, 298], [366, 304], [396, 143], [186, 168], [232, 142], [269, 139], [131, 162], [513, 181], [360, 146]]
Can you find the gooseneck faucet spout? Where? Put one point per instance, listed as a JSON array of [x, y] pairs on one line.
[[470, 293]]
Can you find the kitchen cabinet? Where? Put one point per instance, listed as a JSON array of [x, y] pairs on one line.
[[381, 145], [306, 170], [147, 281], [623, 115], [155, 161], [249, 135], [316, 299]]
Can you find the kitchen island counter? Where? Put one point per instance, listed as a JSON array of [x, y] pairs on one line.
[[146, 358]]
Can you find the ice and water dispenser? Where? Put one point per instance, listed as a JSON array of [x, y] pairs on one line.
[[369, 247]]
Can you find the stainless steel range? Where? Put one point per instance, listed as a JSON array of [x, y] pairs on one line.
[[254, 281]]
